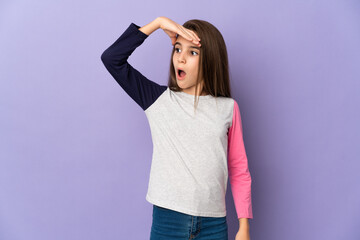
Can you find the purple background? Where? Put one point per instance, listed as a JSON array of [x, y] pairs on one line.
[[76, 150]]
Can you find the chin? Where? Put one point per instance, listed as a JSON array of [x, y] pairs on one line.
[[180, 83]]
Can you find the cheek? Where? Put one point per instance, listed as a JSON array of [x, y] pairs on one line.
[[195, 66]]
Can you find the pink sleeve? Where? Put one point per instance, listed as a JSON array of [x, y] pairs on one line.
[[240, 179]]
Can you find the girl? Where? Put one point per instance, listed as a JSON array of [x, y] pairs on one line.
[[196, 144]]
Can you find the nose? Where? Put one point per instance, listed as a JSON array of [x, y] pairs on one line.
[[181, 58]]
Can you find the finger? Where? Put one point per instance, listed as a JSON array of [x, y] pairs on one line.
[[190, 36], [195, 35], [185, 34]]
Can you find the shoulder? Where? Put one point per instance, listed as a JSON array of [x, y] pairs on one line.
[[228, 101]]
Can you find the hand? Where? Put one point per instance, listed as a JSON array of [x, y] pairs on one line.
[[172, 28], [242, 235]]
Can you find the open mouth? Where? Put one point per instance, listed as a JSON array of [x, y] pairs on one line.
[[181, 73]]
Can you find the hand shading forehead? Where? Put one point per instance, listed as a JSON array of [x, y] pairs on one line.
[[182, 44]]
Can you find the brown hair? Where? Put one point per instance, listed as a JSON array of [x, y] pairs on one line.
[[213, 62]]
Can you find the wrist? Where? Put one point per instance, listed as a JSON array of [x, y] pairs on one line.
[[244, 227], [244, 223], [157, 22], [150, 27]]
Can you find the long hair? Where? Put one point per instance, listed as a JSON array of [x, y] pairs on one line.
[[213, 62]]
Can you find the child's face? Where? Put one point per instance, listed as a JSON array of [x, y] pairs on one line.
[[186, 56]]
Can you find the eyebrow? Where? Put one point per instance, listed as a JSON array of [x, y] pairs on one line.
[[190, 46]]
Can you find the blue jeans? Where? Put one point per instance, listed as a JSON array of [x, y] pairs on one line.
[[170, 225]]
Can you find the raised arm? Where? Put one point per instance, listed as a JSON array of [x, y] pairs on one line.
[[142, 90]]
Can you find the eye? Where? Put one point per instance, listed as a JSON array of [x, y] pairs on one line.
[[191, 52]]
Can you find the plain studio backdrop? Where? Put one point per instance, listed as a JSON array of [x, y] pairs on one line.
[[75, 149]]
